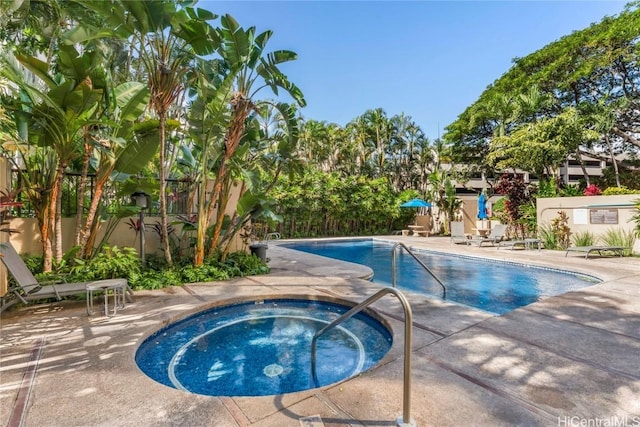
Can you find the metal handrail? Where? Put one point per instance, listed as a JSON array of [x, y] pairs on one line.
[[393, 267], [405, 420]]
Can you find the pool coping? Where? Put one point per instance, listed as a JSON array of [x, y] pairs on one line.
[[571, 357]]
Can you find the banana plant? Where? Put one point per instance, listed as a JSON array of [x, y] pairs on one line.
[[54, 110], [250, 68], [167, 37], [268, 150], [122, 150]]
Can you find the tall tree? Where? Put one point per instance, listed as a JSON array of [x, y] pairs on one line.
[[117, 149], [250, 68], [540, 146], [166, 38], [56, 117], [600, 63]]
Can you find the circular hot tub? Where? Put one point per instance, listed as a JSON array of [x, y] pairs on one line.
[[261, 348]]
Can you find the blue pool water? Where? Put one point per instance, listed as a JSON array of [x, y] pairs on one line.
[[260, 349], [496, 287]]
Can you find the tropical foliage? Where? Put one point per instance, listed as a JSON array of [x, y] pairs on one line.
[[124, 262], [115, 94], [133, 94], [325, 204], [578, 95], [636, 218], [619, 237]]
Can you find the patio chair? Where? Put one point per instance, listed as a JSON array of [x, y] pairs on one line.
[[616, 250], [27, 287], [496, 236], [457, 232]]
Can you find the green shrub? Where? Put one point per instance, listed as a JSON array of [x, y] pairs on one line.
[[33, 262], [571, 191], [110, 263], [528, 218], [203, 273], [246, 264], [612, 191], [237, 264], [113, 262], [583, 238], [548, 236], [619, 237], [499, 212], [155, 279], [556, 235]]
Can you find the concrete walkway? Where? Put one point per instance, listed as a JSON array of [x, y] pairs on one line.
[[564, 361]]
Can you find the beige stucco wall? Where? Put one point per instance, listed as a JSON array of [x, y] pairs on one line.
[[579, 211], [548, 210], [424, 220], [28, 240], [469, 213]]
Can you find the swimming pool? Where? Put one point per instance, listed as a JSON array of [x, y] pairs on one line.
[[494, 286], [261, 348]]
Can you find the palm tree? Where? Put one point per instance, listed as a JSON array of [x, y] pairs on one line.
[[314, 143], [379, 129], [405, 150], [36, 166], [167, 63]]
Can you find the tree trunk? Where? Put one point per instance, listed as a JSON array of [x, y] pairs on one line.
[[584, 170], [241, 108], [203, 221], [80, 190], [613, 160], [222, 206], [47, 253], [85, 249], [163, 190], [91, 241], [48, 247], [58, 227]]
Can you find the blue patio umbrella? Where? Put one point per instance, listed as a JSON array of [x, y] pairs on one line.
[[482, 207], [416, 203]]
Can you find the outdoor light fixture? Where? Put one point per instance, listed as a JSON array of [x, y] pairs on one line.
[[141, 200]]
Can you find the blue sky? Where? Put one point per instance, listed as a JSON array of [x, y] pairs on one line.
[[428, 59]]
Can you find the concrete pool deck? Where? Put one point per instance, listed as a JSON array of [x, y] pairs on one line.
[[564, 361]]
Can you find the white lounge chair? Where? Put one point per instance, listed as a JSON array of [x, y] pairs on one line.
[[496, 236], [457, 232]]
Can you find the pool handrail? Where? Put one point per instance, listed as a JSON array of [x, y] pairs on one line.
[[393, 267], [405, 420]]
